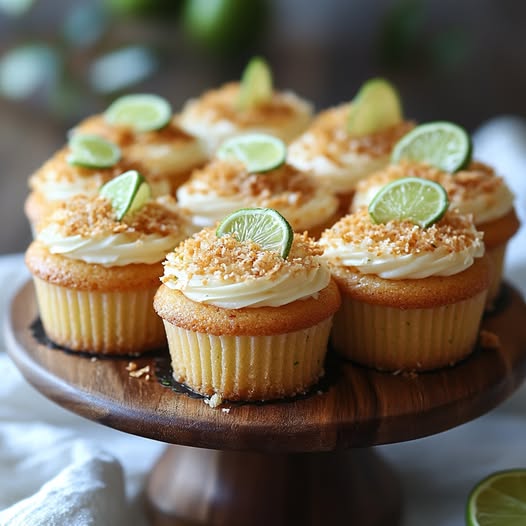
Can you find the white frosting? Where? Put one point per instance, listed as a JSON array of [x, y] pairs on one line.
[[53, 189], [256, 292], [206, 207], [204, 123], [113, 250], [341, 176]]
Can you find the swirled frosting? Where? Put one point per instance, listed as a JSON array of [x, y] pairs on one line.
[[85, 228], [327, 151], [228, 273], [223, 186], [215, 116], [476, 190], [402, 250]]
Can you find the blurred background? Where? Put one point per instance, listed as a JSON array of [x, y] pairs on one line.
[[61, 60]]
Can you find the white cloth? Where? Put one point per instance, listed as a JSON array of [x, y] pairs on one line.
[[57, 468]]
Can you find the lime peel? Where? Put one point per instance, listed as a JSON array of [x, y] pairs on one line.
[[420, 201], [264, 226], [92, 151], [256, 84], [259, 152], [376, 107], [128, 193]]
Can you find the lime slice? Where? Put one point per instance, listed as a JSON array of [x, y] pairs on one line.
[[259, 152], [443, 145], [413, 199], [142, 112], [92, 151], [375, 107], [498, 500], [128, 193], [264, 226], [256, 84]]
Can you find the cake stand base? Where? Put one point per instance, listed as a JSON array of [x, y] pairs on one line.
[[194, 487]]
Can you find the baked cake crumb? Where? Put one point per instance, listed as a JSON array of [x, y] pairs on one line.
[[214, 401], [134, 372]]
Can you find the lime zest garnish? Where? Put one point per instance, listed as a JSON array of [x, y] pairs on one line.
[[498, 500], [142, 112], [92, 151], [420, 201], [256, 84], [259, 152], [376, 107], [128, 193], [441, 144], [264, 226]]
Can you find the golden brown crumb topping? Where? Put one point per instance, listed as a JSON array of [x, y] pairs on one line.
[[59, 169], [124, 135], [329, 136], [94, 216], [282, 186], [227, 258], [454, 232], [476, 179], [221, 104]]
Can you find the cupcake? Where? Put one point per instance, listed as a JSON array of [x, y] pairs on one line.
[[340, 156], [244, 322], [475, 190], [161, 150], [95, 275], [250, 105], [413, 297], [224, 185]]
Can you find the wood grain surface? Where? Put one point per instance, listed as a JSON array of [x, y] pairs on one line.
[[354, 406]]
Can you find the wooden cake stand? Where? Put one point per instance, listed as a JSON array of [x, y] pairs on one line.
[[283, 463]]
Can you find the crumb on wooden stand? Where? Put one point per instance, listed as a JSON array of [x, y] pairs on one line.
[[214, 401], [135, 372], [489, 340]]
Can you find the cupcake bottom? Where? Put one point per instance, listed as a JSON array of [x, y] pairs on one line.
[[115, 322], [249, 367], [392, 339]]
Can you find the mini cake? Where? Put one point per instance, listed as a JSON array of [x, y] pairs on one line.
[[338, 158], [221, 113], [243, 322], [413, 297], [474, 190], [58, 180], [223, 186], [165, 156], [95, 276]]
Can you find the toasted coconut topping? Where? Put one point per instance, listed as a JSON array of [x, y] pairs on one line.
[[284, 185], [328, 136], [228, 259], [454, 232], [221, 104], [124, 136], [476, 179], [93, 216]]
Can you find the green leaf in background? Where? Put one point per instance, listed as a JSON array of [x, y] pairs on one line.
[[25, 69], [16, 7]]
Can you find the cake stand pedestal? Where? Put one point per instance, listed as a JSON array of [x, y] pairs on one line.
[[304, 461]]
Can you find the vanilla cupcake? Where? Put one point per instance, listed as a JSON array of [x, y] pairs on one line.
[[475, 190], [243, 322], [413, 297], [223, 186], [338, 158], [95, 276], [217, 115], [165, 156]]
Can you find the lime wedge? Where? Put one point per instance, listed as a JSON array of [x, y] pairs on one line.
[[264, 226], [443, 145], [256, 84], [92, 151], [413, 199], [141, 112], [498, 500], [128, 193], [259, 152], [375, 107]]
